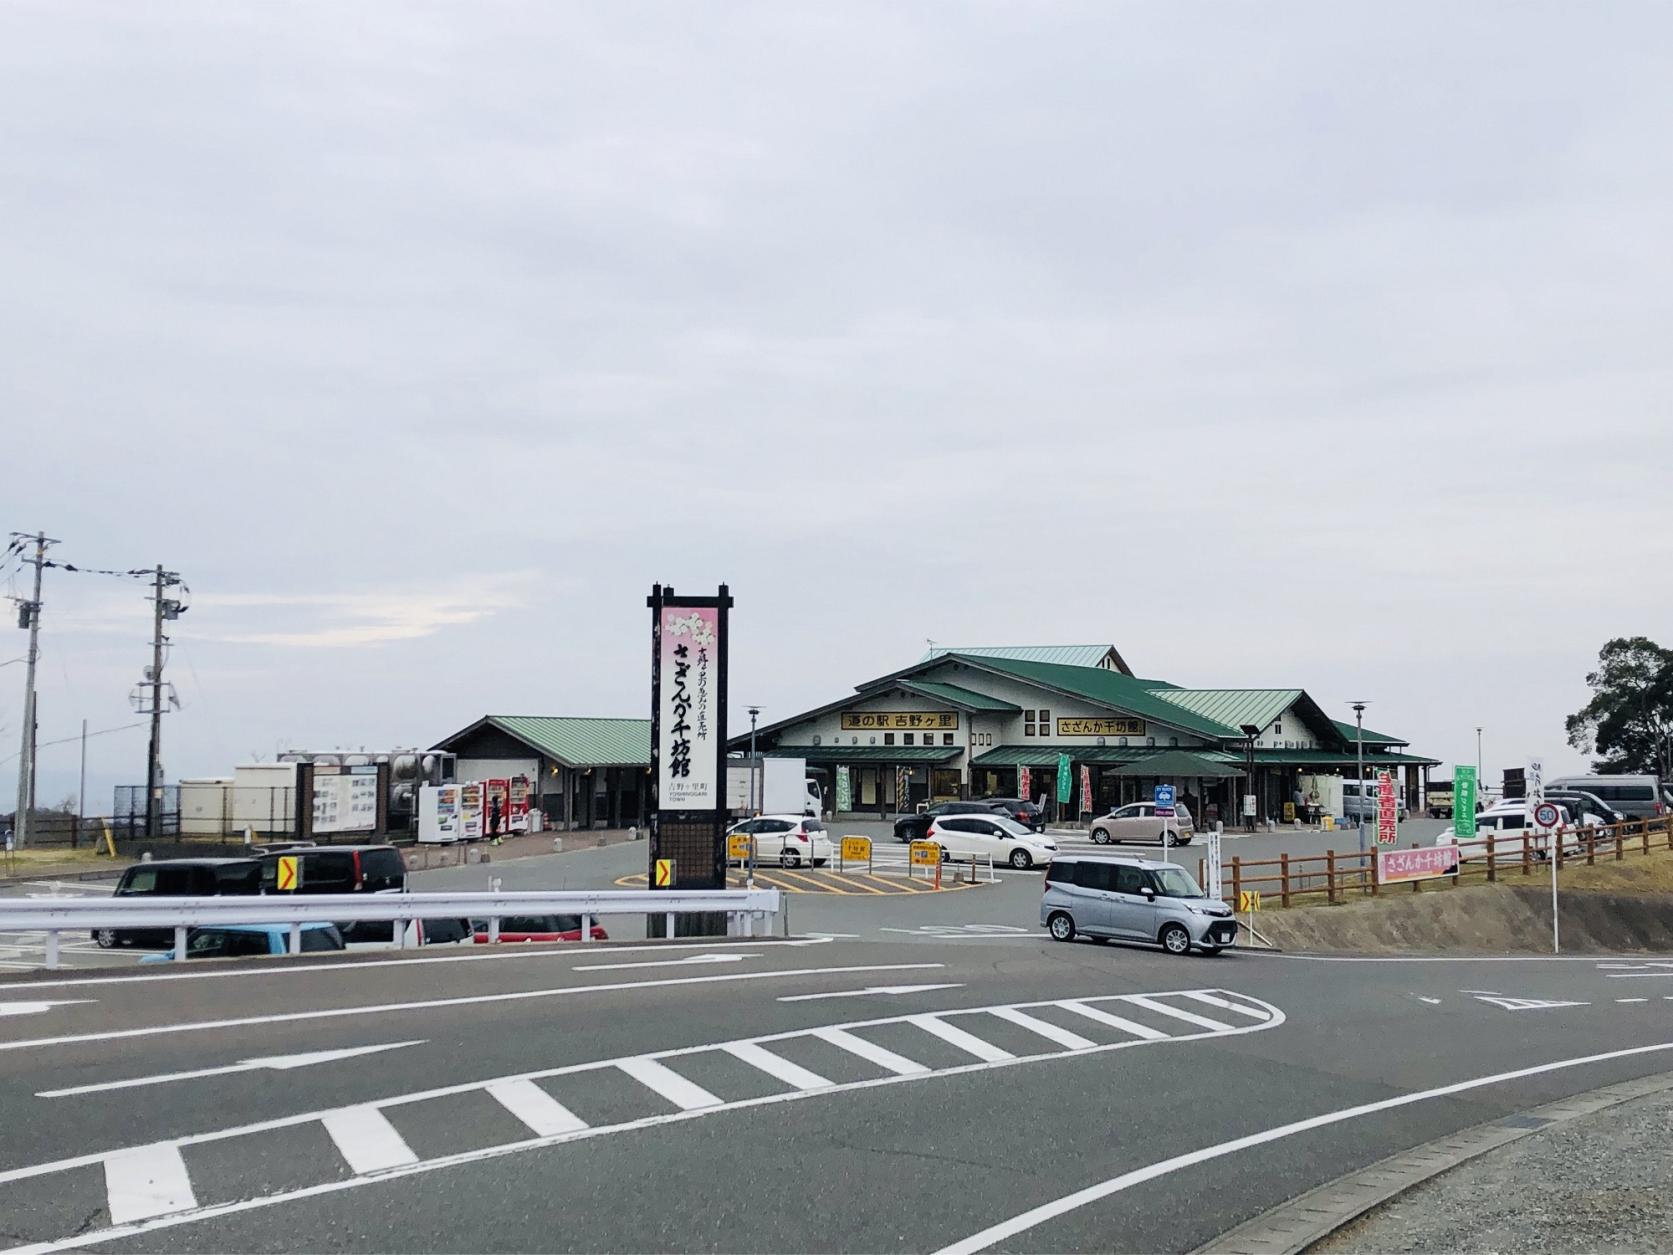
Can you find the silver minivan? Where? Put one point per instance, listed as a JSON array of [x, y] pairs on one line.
[[1636, 797], [1134, 899]]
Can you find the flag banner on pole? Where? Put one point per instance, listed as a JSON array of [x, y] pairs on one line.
[[1085, 789], [1065, 781], [1025, 784]]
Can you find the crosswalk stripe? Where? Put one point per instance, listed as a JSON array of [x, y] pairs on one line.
[[1215, 1001], [1046, 1029], [545, 1115], [147, 1181], [367, 1140], [900, 1065], [775, 1066], [670, 1084], [1190, 1017], [968, 1042], [1114, 1021]]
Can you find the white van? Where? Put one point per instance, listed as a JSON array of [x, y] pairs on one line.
[[1636, 797], [1353, 805]]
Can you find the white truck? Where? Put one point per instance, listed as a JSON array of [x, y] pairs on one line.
[[782, 787]]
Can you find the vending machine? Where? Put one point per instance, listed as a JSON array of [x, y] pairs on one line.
[[472, 820], [521, 792], [438, 814]]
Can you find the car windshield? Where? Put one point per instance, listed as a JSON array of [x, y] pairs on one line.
[[1176, 882], [1011, 826]]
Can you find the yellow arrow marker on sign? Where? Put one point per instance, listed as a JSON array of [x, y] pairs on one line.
[[288, 874], [1249, 900], [664, 878]]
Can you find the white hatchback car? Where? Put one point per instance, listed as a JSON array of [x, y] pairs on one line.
[[788, 840], [1137, 821], [998, 837]]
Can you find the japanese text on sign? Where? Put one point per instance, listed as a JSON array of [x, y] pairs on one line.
[[687, 760], [896, 720], [1388, 816], [856, 849], [1100, 727], [1424, 863], [925, 853]]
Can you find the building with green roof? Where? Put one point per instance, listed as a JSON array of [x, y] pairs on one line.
[[584, 772]]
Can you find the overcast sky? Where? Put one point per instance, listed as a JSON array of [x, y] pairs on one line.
[[1307, 344]]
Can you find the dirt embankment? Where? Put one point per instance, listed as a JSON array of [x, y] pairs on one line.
[[1605, 909]]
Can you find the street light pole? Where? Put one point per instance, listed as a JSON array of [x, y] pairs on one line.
[[1478, 761], [1359, 759], [754, 714]]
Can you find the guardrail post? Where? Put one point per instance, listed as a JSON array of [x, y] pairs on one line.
[[1284, 884], [1376, 877], [670, 926], [1526, 861], [52, 947], [1492, 870], [493, 930], [1417, 885], [586, 928], [180, 942], [1330, 876], [296, 935], [1646, 836], [1591, 846]]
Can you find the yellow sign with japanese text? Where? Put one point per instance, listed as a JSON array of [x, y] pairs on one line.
[[737, 846], [925, 854], [856, 849], [899, 720], [1100, 727]]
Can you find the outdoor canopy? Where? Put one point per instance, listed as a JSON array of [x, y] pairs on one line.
[[1180, 765]]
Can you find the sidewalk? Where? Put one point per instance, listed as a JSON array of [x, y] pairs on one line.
[[1599, 1182]]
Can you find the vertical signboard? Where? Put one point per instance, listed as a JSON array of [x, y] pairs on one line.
[[688, 749], [844, 790], [1025, 784], [1085, 789], [1388, 809], [1534, 788], [1212, 870], [1463, 803]]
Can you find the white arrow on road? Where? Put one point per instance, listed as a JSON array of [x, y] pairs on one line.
[[276, 1063], [686, 962], [875, 989], [35, 1008]]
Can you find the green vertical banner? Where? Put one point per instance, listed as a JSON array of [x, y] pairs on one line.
[[1463, 803], [845, 790], [1065, 781]]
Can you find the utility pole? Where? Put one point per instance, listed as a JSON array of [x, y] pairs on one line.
[[1359, 756], [29, 616], [162, 608]]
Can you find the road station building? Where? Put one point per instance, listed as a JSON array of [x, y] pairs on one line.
[[974, 722]]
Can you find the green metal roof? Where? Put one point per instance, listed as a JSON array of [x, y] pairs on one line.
[[1371, 738], [1065, 655], [1339, 758], [1108, 688], [1234, 707], [967, 698], [574, 742], [1046, 755], [886, 754], [1180, 765]]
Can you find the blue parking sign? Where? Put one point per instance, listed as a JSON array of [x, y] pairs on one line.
[[1164, 800]]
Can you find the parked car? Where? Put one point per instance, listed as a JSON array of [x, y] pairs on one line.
[[1508, 822], [913, 827], [1135, 899], [1028, 814], [379, 934], [998, 837], [1638, 797], [178, 878], [520, 928], [1354, 806], [242, 941], [338, 869], [1138, 821], [788, 840], [1579, 802]]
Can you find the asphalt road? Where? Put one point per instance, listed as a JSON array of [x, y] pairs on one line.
[[756, 1097]]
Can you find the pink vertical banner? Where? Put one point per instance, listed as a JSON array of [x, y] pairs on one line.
[[1085, 789], [1025, 784]]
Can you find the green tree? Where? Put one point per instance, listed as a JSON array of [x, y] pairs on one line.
[[1629, 721]]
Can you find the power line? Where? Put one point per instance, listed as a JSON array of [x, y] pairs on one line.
[[69, 740]]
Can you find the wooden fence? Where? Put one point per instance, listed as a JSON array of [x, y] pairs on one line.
[[1338, 874]]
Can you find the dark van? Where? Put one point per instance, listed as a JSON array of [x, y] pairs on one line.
[[339, 869], [178, 878]]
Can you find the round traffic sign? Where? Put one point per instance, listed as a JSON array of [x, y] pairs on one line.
[[1546, 815]]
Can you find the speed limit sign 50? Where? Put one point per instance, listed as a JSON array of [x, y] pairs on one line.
[[1546, 815]]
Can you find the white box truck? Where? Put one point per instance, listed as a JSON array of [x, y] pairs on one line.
[[782, 787]]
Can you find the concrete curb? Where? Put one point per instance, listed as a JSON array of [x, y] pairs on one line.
[[1299, 1224]]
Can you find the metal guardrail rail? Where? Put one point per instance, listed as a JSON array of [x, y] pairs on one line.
[[744, 909]]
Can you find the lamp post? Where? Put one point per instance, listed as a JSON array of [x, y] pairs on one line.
[[1359, 758], [1250, 732], [754, 714], [1478, 761]]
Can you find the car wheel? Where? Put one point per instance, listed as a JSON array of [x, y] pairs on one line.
[[1061, 927], [1021, 860], [106, 937], [1100, 837], [1175, 940], [789, 859]]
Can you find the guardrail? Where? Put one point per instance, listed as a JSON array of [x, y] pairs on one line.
[[1337, 873], [744, 909]]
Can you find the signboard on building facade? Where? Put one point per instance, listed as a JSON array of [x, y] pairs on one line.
[[1388, 814], [1100, 727], [1463, 802], [899, 720]]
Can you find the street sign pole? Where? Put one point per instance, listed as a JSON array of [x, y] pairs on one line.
[[1533, 803]]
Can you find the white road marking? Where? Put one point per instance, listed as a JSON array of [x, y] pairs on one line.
[[366, 1139], [335, 1013], [776, 1066], [356, 1127], [1632, 975], [1142, 1031], [1632, 1000], [35, 1008], [147, 1181], [866, 993], [1037, 1216], [1226, 1004], [1045, 1028], [900, 1065], [544, 1115], [685, 962], [1528, 1004], [684, 1094], [275, 1063], [1434, 1002], [834, 936], [987, 1052], [1190, 1017]]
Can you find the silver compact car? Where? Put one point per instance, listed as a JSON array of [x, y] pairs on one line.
[[1133, 899]]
